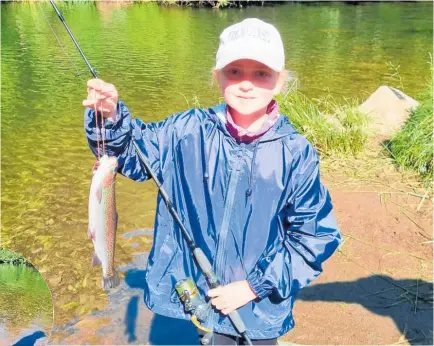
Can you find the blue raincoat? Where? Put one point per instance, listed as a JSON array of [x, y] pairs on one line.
[[258, 210]]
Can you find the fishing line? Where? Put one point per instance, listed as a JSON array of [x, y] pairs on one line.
[[100, 135], [97, 131], [58, 41], [102, 130]]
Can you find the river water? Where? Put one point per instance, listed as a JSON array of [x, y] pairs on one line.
[[160, 60]]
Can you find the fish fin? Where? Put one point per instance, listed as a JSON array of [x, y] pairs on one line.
[[95, 260], [95, 166], [111, 281], [90, 234]]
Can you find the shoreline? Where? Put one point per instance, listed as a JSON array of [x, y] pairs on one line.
[[10, 257], [217, 4], [16, 263]]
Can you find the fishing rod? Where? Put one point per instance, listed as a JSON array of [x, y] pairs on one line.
[[201, 260]]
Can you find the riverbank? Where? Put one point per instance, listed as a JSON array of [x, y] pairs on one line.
[[219, 3], [411, 148], [10, 257], [340, 131], [216, 4]]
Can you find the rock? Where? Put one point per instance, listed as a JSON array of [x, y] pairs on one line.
[[388, 108]]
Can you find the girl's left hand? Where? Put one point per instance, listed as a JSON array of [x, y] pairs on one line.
[[232, 296]]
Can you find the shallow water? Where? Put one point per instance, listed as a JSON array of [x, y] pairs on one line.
[[160, 59]]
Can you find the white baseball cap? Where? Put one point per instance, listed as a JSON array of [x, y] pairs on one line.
[[251, 39]]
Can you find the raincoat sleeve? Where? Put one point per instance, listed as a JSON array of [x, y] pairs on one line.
[[156, 140], [311, 235]]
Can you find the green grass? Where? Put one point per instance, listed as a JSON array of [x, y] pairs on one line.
[[412, 147], [333, 128], [7, 256]]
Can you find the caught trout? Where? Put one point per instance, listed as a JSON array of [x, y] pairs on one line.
[[103, 219]]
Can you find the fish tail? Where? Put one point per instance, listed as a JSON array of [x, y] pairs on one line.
[[110, 281]]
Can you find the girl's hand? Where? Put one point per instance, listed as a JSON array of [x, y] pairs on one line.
[[102, 97], [232, 296]]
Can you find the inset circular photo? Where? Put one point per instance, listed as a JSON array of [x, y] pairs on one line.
[[26, 306]]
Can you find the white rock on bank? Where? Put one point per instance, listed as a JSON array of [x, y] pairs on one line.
[[388, 108]]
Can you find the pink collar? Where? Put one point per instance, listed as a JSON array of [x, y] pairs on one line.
[[245, 135]]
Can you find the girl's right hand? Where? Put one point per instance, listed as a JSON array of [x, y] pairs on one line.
[[102, 97]]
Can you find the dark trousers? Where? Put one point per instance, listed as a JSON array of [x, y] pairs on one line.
[[223, 339]]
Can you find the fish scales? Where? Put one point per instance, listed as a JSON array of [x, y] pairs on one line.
[[111, 225], [103, 218]]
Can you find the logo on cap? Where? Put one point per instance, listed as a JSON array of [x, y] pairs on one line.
[[236, 34]]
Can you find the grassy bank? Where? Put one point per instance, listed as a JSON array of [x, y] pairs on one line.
[[338, 130], [10, 257], [335, 129], [217, 3], [412, 147], [195, 3]]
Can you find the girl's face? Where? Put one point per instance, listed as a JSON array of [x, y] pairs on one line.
[[249, 86]]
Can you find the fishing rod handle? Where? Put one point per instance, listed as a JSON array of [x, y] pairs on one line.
[[235, 318], [206, 268]]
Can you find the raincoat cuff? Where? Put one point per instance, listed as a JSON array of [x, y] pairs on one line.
[[121, 112], [109, 122], [117, 128], [257, 287]]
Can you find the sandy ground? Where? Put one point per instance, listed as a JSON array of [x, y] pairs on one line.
[[377, 289]]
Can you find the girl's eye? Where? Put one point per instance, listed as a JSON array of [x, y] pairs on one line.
[[233, 72], [262, 74]]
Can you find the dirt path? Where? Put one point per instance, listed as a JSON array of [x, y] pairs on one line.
[[376, 290], [383, 251]]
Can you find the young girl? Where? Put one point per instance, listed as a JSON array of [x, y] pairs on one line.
[[245, 183]]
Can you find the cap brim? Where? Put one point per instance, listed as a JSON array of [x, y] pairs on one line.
[[236, 53]]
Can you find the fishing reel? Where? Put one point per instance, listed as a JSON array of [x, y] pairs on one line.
[[195, 305]]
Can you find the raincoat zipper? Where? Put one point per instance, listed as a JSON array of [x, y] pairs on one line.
[[218, 264]]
